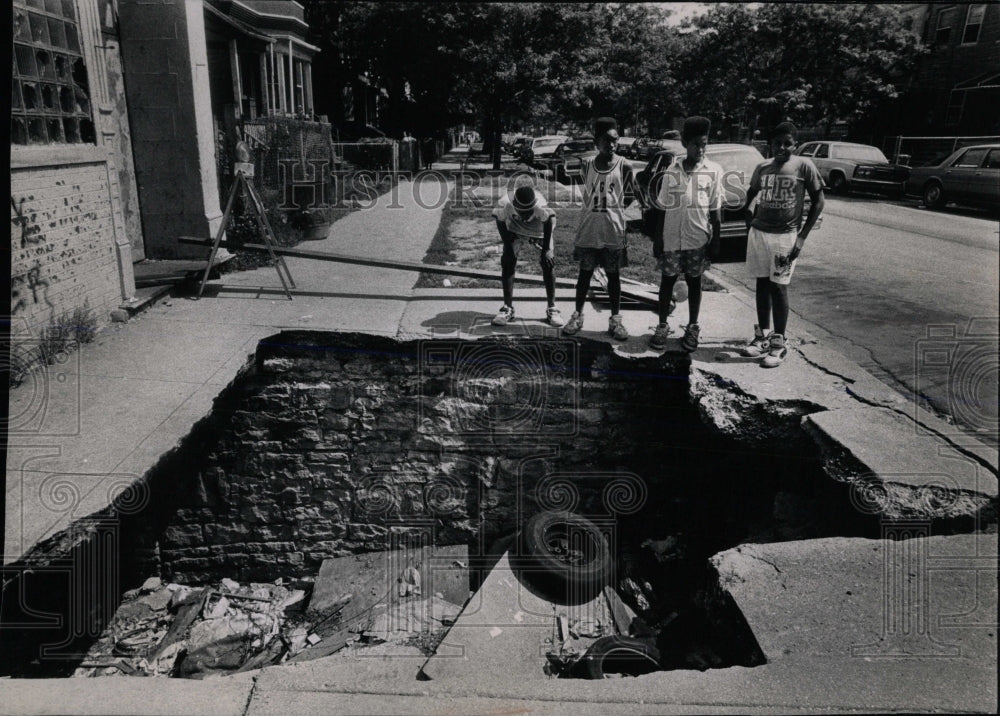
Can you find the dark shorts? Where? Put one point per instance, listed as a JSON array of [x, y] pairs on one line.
[[609, 259], [513, 247], [690, 262]]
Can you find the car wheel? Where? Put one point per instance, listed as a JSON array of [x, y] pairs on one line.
[[562, 550], [934, 195], [619, 655], [838, 184]]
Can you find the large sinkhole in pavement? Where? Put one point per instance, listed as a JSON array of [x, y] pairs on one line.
[[330, 444]]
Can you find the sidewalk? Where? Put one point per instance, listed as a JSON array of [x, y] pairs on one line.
[[83, 431]]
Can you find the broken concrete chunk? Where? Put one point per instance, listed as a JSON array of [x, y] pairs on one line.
[[230, 585], [294, 597], [158, 600], [215, 610], [151, 585]]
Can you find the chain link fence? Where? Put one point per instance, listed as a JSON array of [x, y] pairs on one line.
[[921, 151]]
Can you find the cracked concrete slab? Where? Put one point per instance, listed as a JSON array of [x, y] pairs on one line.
[[851, 598], [883, 444]]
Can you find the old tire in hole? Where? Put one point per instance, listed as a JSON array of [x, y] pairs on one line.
[[618, 655], [566, 552]]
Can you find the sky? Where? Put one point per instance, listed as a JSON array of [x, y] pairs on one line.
[[683, 10]]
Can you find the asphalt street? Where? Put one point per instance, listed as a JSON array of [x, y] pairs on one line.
[[895, 287]]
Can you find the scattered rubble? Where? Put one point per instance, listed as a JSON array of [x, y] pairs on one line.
[[197, 632]]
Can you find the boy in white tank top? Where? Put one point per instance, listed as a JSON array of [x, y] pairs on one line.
[[600, 235]]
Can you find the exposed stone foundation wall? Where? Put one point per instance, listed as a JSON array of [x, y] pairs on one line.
[[334, 442]]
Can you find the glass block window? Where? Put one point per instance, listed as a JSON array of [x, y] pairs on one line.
[[50, 94]]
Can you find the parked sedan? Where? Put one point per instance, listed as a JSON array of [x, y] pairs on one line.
[[569, 159], [625, 146], [738, 162], [541, 149], [846, 165], [970, 175]]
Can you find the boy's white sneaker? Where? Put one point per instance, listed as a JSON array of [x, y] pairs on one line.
[[504, 316], [574, 324], [616, 329], [757, 346], [776, 351], [553, 317]]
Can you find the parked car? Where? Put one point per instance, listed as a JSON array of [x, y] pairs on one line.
[[738, 162], [647, 148], [970, 175], [625, 146], [671, 134], [846, 165], [648, 178], [570, 157], [518, 145], [541, 149]]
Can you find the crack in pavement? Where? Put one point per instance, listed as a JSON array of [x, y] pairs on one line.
[[826, 370], [875, 404]]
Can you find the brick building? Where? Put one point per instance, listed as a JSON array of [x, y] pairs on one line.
[[195, 70], [75, 225], [956, 89]]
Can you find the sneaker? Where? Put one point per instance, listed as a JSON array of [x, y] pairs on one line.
[[690, 340], [616, 329], [658, 341], [776, 352], [553, 317], [504, 316], [757, 346], [574, 325]]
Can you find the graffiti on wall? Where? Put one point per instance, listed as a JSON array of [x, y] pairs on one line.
[[30, 286]]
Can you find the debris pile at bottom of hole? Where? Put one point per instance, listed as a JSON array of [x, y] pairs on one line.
[[227, 628]]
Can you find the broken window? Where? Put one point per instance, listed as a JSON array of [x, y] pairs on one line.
[[50, 96]]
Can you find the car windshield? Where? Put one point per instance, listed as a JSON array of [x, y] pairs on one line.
[[578, 146], [547, 142], [860, 154]]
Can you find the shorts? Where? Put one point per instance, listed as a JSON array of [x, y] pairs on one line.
[[513, 247], [607, 258], [690, 262], [767, 255]]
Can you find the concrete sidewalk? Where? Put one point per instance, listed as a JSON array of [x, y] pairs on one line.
[[83, 431]]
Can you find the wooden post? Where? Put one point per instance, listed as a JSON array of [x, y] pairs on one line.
[[234, 68], [266, 90], [279, 70], [307, 85], [291, 78]]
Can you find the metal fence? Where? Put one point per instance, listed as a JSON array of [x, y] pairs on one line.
[[919, 151], [287, 151]]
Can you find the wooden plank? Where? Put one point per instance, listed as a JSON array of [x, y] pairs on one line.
[[380, 263], [648, 298]]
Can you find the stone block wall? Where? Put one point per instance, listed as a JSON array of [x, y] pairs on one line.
[[333, 443]]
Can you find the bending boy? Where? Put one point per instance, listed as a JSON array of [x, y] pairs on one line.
[[522, 219]]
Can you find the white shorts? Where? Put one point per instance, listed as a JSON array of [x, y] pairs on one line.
[[767, 254]]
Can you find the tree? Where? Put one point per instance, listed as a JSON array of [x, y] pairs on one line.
[[813, 63]]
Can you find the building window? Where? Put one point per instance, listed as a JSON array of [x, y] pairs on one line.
[[973, 22], [956, 105], [50, 94], [946, 18]]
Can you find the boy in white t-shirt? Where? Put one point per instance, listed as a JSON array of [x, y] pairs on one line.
[[523, 218]]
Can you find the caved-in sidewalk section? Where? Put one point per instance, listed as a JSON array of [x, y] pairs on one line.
[[807, 672]]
